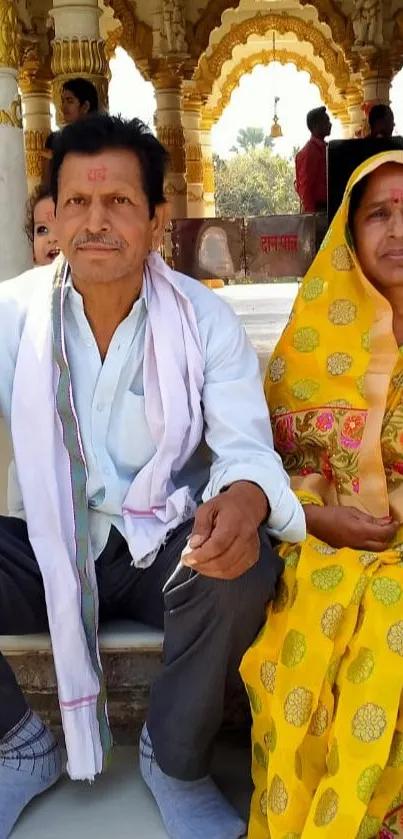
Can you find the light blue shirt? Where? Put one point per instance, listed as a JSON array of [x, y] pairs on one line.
[[109, 401]]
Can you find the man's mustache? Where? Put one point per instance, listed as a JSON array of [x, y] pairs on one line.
[[99, 239]]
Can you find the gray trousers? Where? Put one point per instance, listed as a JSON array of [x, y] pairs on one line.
[[208, 625]]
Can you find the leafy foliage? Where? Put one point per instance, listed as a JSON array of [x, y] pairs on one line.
[[255, 183]]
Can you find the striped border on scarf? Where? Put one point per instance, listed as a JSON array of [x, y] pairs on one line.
[[78, 472]]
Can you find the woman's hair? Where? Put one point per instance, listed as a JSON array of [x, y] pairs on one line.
[[357, 194], [84, 91], [38, 195]]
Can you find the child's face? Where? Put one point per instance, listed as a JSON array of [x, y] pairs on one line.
[[45, 242]]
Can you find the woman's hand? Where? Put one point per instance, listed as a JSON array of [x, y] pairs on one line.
[[346, 527]]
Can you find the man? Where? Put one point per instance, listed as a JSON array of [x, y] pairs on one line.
[[79, 98], [310, 164], [381, 122], [144, 481]]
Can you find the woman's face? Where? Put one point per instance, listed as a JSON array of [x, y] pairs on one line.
[[378, 227], [45, 241]]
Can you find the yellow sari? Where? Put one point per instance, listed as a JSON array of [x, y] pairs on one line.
[[325, 675]]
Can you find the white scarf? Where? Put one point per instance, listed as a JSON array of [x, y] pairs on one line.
[[52, 474]]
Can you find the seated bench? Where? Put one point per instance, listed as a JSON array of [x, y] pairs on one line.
[[131, 654]]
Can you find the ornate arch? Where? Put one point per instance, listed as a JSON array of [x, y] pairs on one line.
[[340, 26], [210, 66], [210, 18], [265, 57], [133, 35]]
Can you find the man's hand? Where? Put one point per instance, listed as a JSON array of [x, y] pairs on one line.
[[346, 527], [225, 542]]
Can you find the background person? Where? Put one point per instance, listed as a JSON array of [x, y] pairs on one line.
[[381, 122], [40, 226], [78, 99], [310, 164]]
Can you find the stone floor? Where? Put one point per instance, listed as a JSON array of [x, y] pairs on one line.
[[118, 804]]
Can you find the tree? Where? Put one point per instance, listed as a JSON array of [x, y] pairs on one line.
[[250, 138], [256, 183]]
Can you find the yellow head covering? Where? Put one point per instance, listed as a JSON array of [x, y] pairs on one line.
[[328, 380]]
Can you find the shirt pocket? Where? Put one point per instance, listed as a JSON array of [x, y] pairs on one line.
[[129, 439]]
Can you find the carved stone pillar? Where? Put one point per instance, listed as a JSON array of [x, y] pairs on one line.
[[78, 49], [191, 105], [206, 125], [15, 255], [341, 113], [169, 127], [35, 85], [354, 97]]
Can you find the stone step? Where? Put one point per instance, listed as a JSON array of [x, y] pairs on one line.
[[131, 655], [119, 804]]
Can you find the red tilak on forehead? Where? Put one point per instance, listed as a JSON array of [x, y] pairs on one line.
[[97, 175], [49, 215], [396, 195]]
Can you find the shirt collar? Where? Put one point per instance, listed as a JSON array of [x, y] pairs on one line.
[[76, 298], [318, 142]]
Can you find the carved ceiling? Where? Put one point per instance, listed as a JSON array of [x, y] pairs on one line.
[[226, 38]]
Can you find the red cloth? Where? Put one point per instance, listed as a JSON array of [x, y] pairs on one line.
[[310, 169]]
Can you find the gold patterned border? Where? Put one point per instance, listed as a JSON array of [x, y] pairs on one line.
[[13, 115], [210, 67], [34, 148], [9, 35]]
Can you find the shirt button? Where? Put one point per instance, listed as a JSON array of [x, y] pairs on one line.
[[100, 406]]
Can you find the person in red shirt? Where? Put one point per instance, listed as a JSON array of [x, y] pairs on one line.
[[310, 164]]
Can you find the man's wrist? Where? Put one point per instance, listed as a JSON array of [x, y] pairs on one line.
[[313, 513], [253, 498]]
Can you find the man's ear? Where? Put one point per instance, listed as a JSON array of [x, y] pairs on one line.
[[158, 225]]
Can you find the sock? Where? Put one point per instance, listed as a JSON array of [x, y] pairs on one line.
[[30, 763], [188, 808]]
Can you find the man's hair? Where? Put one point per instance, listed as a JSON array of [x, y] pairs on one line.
[[38, 194], [101, 132], [377, 113], [315, 116], [84, 91]]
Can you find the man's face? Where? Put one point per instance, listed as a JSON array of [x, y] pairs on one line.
[[72, 108], [386, 125], [326, 125], [102, 214]]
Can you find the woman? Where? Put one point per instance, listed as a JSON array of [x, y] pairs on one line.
[[325, 676], [40, 226]]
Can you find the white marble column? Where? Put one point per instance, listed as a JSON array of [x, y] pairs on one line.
[[15, 252], [36, 92], [169, 127], [78, 49], [206, 125]]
